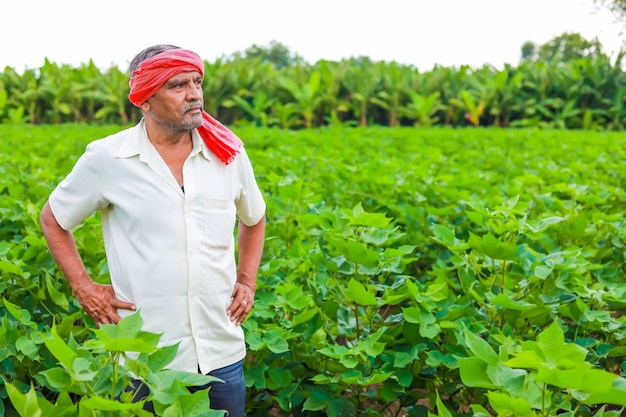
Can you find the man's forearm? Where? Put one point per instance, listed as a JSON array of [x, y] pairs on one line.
[[63, 249], [250, 241]]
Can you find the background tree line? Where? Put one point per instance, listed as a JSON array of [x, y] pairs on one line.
[[567, 83]]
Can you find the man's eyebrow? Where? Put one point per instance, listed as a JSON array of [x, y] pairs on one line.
[[176, 79]]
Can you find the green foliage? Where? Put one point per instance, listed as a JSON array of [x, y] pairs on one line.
[[566, 83], [275, 53], [94, 378], [563, 48], [406, 271]]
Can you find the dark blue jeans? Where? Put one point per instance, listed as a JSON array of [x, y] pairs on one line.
[[229, 395]]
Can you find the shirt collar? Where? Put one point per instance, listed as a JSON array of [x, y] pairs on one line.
[[137, 143]]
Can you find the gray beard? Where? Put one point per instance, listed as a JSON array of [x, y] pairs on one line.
[[182, 126]]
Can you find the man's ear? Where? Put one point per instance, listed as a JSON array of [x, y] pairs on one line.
[[145, 106]]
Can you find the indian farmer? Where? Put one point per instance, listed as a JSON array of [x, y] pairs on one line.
[[170, 192]]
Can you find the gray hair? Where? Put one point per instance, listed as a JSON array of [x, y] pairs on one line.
[[149, 52]]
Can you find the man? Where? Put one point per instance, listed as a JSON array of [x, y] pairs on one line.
[[169, 191]]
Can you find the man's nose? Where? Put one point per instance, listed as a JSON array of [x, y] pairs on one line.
[[194, 92]]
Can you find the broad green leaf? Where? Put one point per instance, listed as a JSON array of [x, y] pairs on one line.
[[318, 400], [57, 378], [492, 247], [543, 224], [26, 345], [510, 304], [480, 348], [59, 349], [506, 405], [357, 293], [20, 314], [275, 341], [29, 404], [364, 381], [192, 405], [473, 373], [429, 330], [57, 296], [417, 315], [370, 219], [162, 357], [105, 404]]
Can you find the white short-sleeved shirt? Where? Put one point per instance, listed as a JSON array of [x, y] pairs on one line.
[[169, 252]]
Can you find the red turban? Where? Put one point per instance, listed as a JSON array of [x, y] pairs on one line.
[[152, 74]]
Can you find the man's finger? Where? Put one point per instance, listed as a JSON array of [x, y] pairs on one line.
[[125, 305]]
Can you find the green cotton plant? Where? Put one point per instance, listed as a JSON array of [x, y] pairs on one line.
[[499, 263], [360, 266], [93, 379], [331, 351], [543, 377]]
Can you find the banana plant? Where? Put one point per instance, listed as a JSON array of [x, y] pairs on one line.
[[334, 105], [112, 92], [558, 112], [449, 82], [239, 74], [505, 85], [82, 104], [396, 80], [59, 86], [306, 96], [422, 109], [362, 81], [616, 112], [285, 115], [258, 108], [25, 92], [473, 109]]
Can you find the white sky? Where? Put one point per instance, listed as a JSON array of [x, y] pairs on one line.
[[418, 32]]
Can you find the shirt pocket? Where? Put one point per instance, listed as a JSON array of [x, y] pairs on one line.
[[219, 222]]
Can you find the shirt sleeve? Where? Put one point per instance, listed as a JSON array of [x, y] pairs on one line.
[[79, 195], [250, 204]]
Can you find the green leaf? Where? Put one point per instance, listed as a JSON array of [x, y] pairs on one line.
[[166, 385], [506, 405], [275, 341], [429, 330], [492, 247], [26, 345], [29, 404], [21, 315], [318, 400], [418, 315], [510, 304], [442, 411], [543, 224], [105, 404], [480, 348], [473, 372], [191, 405], [370, 219], [162, 357], [64, 354], [357, 293], [57, 378], [318, 339], [55, 295]]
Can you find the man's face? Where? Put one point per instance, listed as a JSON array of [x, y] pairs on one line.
[[178, 104]]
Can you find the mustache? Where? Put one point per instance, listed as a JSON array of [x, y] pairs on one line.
[[193, 106]]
